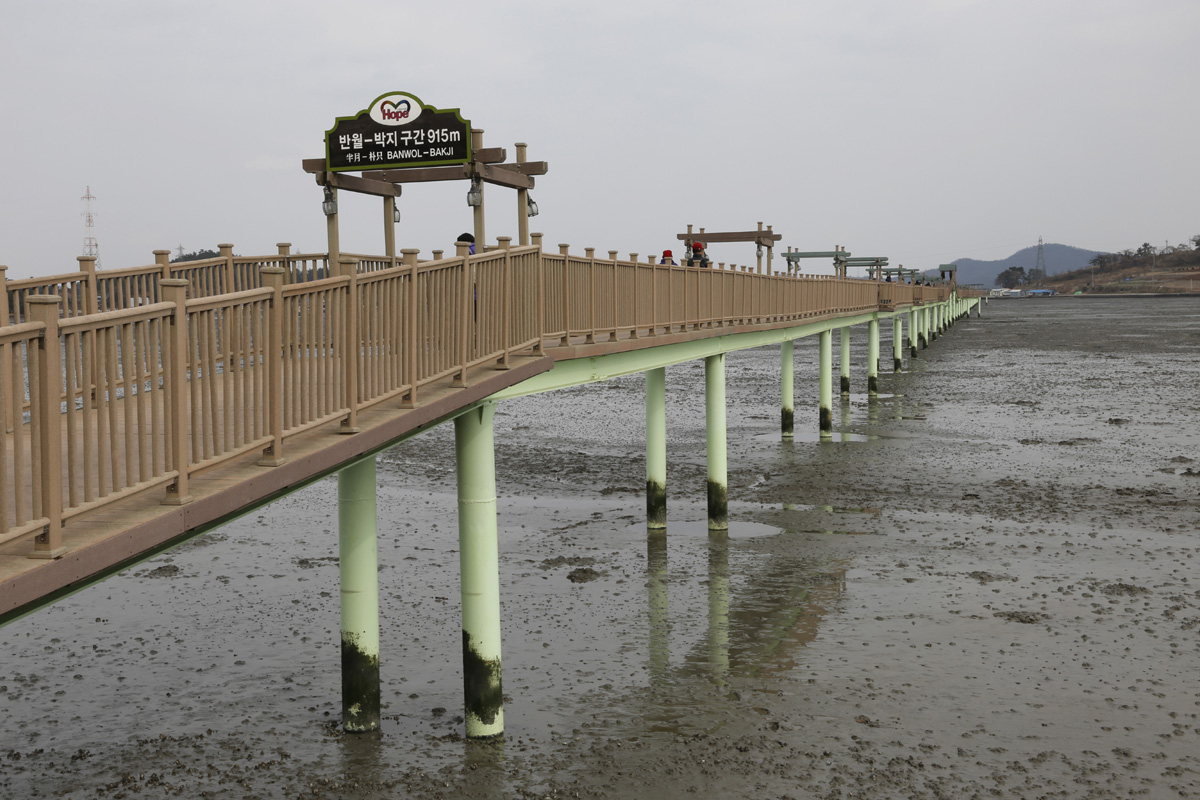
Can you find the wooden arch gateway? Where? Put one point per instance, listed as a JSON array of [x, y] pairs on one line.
[[763, 238]]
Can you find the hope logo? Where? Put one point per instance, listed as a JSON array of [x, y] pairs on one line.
[[394, 111]]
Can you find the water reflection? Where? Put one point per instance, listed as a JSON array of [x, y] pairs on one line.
[[756, 625], [656, 589], [486, 768], [718, 605]]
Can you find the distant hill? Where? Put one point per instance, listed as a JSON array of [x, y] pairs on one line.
[[1059, 258]]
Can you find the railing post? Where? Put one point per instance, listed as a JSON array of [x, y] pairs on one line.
[[465, 305], [285, 254], [91, 291], [633, 328], [273, 278], [590, 254], [410, 328], [566, 293], [541, 293], [229, 282], [174, 290], [46, 419], [5, 309], [612, 256], [162, 258], [506, 302], [348, 267], [654, 296]]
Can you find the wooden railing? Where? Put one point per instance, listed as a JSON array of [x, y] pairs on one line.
[[115, 382]]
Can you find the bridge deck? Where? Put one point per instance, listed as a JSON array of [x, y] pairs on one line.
[[119, 402], [102, 540]]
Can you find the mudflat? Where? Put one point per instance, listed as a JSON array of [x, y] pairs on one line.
[[983, 586]]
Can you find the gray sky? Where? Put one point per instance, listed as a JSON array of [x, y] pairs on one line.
[[924, 130]]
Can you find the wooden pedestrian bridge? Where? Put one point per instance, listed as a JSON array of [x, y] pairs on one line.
[[142, 406]]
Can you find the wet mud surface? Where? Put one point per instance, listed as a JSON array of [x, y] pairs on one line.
[[983, 587]]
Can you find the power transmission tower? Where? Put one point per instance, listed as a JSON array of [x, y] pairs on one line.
[[90, 246]]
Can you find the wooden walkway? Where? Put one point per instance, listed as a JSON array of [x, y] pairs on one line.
[[188, 404]]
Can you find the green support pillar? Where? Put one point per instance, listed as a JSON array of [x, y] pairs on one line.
[[358, 566], [826, 384], [897, 343], [935, 322], [479, 567], [718, 479], [787, 381], [912, 333], [844, 338], [873, 357], [656, 448]]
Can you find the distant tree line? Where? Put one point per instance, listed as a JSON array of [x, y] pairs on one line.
[[1147, 254], [196, 255], [1146, 257]]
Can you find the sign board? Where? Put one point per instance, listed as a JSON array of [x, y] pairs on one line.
[[398, 130]]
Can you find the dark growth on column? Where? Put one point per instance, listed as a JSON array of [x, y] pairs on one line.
[[718, 504], [656, 503], [360, 687], [481, 683]]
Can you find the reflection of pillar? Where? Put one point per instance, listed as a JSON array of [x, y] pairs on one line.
[[897, 343], [656, 448], [656, 588], [845, 342], [358, 565], [787, 382], [479, 566], [873, 357], [826, 383], [718, 605], [714, 406]]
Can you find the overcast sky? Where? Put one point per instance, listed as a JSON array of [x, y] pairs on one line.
[[924, 130]]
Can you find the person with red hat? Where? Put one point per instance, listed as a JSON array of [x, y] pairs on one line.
[[667, 258], [698, 257]]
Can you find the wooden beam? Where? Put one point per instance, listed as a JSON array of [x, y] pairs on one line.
[[504, 177], [708, 237], [526, 167], [489, 155], [353, 183]]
